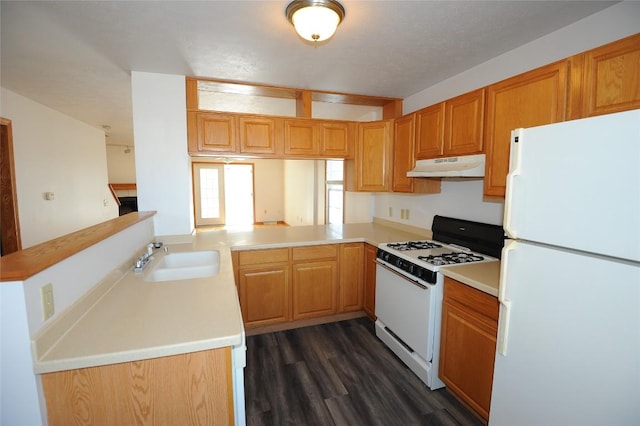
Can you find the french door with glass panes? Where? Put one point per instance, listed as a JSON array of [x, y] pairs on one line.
[[223, 194]]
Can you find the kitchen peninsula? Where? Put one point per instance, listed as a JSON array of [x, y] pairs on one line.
[[123, 323]]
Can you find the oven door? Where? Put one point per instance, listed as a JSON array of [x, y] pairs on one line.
[[406, 308]]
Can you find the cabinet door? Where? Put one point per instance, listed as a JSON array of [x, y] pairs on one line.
[[468, 344], [215, 132], [257, 135], [315, 287], [430, 132], [351, 277], [464, 118], [373, 156], [264, 294], [370, 281], [531, 99], [301, 138], [612, 77], [403, 153], [336, 139]]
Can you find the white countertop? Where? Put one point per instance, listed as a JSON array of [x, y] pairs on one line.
[[482, 276], [127, 318]]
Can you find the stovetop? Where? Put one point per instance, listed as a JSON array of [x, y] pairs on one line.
[[430, 254]]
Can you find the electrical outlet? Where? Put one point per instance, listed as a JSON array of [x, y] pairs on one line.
[[46, 296], [406, 214], [390, 211]]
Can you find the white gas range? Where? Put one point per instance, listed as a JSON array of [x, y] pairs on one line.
[[409, 288]]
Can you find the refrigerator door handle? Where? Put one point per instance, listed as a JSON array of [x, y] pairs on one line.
[[514, 172], [505, 303]]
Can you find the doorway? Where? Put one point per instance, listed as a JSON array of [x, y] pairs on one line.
[[223, 194], [9, 224]]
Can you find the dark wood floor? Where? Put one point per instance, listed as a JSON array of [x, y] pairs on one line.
[[339, 374]]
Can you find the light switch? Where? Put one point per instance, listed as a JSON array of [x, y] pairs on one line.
[[49, 196]]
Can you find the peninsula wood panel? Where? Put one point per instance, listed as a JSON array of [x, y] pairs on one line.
[[189, 389], [531, 99]]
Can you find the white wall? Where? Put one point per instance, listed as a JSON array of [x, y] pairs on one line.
[[121, 165], [299, 192], [464, 199], [56, 153], [613, 23], [163, 167], [269, 190]]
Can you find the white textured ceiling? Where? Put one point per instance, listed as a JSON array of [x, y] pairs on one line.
[[76, 56]]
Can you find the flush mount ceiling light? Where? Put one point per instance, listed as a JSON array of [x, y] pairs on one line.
[[315, 20]]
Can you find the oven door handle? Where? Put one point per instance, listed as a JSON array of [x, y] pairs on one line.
[[414, 282]]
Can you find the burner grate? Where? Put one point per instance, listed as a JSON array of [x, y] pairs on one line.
[[451, 258], [413, 245]]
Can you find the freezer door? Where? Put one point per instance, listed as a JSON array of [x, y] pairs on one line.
[[577, 185], [569, 348]]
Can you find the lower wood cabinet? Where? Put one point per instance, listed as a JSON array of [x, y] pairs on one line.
[[315, 281], [264, 286], [289, 284], [193, 388], [351, 277], [468, 344], [369, 296]]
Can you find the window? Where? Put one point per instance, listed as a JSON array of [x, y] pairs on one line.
[[335, 191]]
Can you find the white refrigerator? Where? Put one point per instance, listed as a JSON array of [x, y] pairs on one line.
[[568, 350]]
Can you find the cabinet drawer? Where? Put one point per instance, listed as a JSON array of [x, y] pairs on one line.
[[472, 298], [315, 252], [256, 257]]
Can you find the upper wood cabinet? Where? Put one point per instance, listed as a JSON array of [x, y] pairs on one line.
[[531, 99], [453, 127], [403, 153], [374, 147], [301, 137], [463, 124], [429, 136], [212, 132], [606, 79], [258, 134], [404, 160], [311, 138], [337, 139]]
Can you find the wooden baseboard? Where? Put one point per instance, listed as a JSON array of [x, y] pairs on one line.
[[303, 323]]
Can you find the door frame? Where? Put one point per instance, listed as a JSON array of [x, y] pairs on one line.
[[10, 238]]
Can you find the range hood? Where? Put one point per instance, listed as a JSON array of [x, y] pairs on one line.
[[466, 166]]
